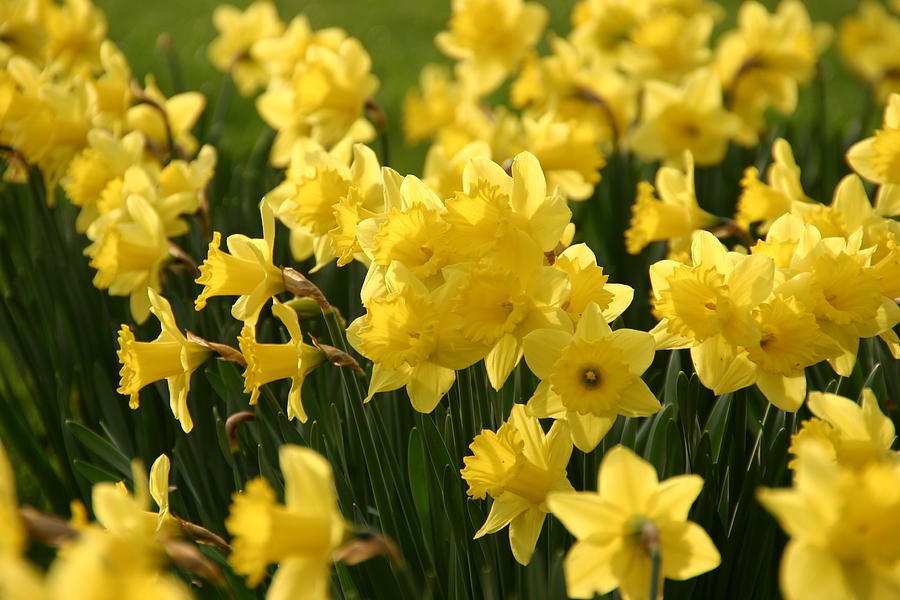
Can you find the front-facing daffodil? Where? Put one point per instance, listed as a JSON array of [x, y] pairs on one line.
[[631, 519], [518, 465], [170, 356], [591, 377], [300, 534]]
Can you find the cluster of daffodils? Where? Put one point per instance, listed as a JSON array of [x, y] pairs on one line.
[[841, 511], [630, 523], [316, 83], [639, 75], [869, 41], [131, 551], [469, 277], [123, 152]]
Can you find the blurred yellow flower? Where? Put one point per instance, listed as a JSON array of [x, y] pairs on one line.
[[689, 117], [631, 518], [238, 32], [518, 466], [300, 534], [877, 159], [490, 37]]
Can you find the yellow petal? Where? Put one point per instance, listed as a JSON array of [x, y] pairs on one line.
[[159, 482], [385, 380], [720, 368], [503, 510], [587, 516], [809, 573], [542, 348], [588, 569], [524, 531], [675, 496], [300, 578], [626, 480], [637, 400], [427, 385], [502, 359], [587, 430], [545, 403], [787, 393], [687, 550]]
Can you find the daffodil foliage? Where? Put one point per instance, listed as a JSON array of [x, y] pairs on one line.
[[627, 328]]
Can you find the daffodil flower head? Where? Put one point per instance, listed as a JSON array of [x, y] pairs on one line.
[[170, 356], [612, 527], [766, 202], [868, 41], [877, 159], [300, 534], [588, 283], [238, 32], [129, 251], [518, 466], [173, 123], [271, 362], [425, 112], [689, 117], [673, 216], [854, 435], [842, 524], [591, 377], [490, 37], [246, 270]]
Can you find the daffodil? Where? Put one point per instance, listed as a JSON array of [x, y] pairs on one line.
[[766, 202], [854, 435], [630, 519], [443, 172], [129, 250], [270, 362], [238, 32], [689, 117], [246, 270], [299, 535], [170, 356], [588, 283], [427, 111], [406, 332], [667, 46], [518, 466], [877, 159], [843, 527], [868, 40], [591, 377], [490, 37], [169, 121], [674, 216]]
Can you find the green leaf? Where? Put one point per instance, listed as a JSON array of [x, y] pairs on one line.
[[92, 473], [418, 481], [717, 424], [101, 448]]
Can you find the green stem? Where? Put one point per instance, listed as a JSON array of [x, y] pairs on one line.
[[654, 574]]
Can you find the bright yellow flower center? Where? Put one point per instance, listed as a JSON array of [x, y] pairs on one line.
[[116, 253], [478, 218], [589, 376], [497, 458], [653, 220], [758, 201], [695, 302], [588, 284], [313, 206], [849, 294]]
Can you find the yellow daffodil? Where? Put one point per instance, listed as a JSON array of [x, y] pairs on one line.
[[129, 250], [603, 27], [238, 31], [854, 435], [75, 30], [766, 202], [490, 37], [169, 121], [246, 270], [323, 98], [170, 356], [843, 528], [406, 332], [762, 62], [630, 518], [591, 377], [667, 46], [690, 117], [279, 55], [588, 283], [443, 173], [111, 89], [568, 152], [270, 362], [869, 41], [518, 466], [674, 216], [877, 159], [299, 535], [427, 111]]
